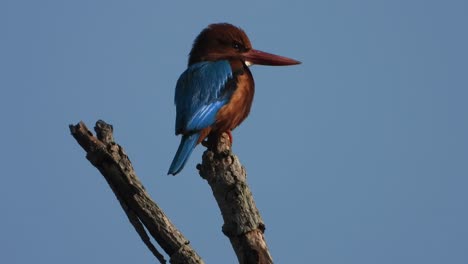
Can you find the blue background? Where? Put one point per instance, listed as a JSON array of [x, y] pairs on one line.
[[359, 155]]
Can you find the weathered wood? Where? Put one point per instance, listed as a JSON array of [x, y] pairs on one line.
[[243, 224], [110, 159]]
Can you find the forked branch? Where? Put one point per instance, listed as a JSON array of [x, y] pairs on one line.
[[243, 224]]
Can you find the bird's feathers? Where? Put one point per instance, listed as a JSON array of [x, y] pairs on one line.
[[187, 145], [200, 92]]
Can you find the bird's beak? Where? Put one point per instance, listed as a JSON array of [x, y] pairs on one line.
[[263, 58]]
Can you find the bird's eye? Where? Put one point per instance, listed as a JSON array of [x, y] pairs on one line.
[[237, 46]]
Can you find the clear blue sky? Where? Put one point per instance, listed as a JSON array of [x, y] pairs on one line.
[[359, 155]]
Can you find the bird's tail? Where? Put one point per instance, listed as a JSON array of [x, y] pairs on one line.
[[186, 147]]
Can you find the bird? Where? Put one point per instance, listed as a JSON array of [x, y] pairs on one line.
[[215, 93]]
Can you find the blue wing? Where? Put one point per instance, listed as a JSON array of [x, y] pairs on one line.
[[201, 91]]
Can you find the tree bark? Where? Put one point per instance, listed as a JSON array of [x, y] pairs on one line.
[[110, 159], [243, 224]]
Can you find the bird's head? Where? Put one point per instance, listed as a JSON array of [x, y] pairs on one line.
[[227, 42]]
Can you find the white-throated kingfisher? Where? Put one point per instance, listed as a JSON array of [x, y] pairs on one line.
[[216, 91]]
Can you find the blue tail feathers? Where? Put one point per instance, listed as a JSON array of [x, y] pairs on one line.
[[186, 147]]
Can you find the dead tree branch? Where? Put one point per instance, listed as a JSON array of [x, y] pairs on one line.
[[243, 224], [110, 159]]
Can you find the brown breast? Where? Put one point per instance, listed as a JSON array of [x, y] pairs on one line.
[[237, 109]]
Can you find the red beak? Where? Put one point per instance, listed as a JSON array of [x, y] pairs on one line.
[[263, 58]]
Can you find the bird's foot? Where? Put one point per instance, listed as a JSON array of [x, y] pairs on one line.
[[213, 141], [230, 136]]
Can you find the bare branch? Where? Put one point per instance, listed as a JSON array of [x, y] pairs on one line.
[[243, 224], [110, 159]]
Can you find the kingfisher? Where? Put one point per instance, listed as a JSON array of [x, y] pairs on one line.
[[214, 94]]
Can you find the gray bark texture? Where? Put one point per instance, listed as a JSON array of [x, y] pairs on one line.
[[227, 178], [222, 170], [110, 159]]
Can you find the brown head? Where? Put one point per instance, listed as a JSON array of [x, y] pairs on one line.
[[227, 42]]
